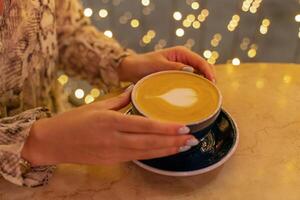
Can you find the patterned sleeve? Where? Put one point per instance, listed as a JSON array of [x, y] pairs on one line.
[[84, 50], [13, 133]]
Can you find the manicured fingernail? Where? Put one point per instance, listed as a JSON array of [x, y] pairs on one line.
[[129, 88], [192, 142], [188, 69], [184, 148], [184, 130], [213, 80]]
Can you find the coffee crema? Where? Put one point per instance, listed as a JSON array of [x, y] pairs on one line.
[[176, 96]]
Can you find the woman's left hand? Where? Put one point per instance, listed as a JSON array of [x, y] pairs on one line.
[[135, 67]]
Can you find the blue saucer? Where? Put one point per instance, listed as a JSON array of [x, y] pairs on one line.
[[213, 151]]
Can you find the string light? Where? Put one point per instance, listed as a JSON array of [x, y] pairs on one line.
[[189, 43], [146, 39], [95, 92], [103, 13], [264, 26], [161, 44], [63, 79], [88, 12], [79, 93], [180, 32], [191, 17], [251, 5], [151, 34], [177, 15], [234, 22], [245, 43], [186, 23], [207, 54], [216, 40], [145, 2], [135, 23], [196, 24], [148, 9], [89, 99], [195, 5], [108, 33], [297, 18], [236, 61], [203, 15]]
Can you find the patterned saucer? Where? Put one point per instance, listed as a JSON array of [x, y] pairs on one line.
[[223, 139]]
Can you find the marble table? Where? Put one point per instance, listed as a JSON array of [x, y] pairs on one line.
[[264, 99]]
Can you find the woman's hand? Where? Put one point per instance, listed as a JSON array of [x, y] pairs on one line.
[[137, 66], [95, 134]]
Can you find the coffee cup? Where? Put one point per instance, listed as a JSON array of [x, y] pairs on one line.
[[178, 96]]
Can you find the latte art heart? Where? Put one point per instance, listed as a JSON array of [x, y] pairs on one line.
[[176, 97], [182, 97]]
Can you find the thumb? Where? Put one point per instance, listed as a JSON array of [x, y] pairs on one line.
[[118, 102]]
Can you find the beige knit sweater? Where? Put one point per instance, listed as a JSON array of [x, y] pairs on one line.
[[36, 36]]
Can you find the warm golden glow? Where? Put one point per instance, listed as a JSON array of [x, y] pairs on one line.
[[146, 39], [95, 92], [191, 17], [145, 2], [196, 24], [79, 93], [103, 13], [177, 15], [180, 32], [252, 53], [88, 12], [287, 79], [89, 99], [108, 33], [236, 61], [63, 79], [151, 34], [186, 23], [135, 23], [195, 5], [207, 54], [297, 18], [260, 84]]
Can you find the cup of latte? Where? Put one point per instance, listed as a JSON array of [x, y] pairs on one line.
[[178, 96]]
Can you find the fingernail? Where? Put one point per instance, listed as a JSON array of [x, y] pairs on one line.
[[192, 142], [214, 80], [188, 69], [184, 148], [129, 88], [184, 130]]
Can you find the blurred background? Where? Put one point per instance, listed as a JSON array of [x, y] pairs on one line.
[[222, 31], [219, 30]]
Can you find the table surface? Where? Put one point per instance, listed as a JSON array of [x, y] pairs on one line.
[[264, 100]]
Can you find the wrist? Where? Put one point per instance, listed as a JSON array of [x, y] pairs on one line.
[[122, 68], [36, 150]]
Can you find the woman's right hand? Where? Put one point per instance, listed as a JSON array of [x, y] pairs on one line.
[[95, 134]]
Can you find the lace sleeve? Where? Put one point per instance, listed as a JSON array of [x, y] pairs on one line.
[[84, 50], [13, 133]]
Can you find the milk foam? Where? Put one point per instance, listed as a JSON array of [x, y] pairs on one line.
[[182, 97]]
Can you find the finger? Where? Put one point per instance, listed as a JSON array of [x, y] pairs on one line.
[[144, 155], [187, 57], [151, 142], [138, 124], [116, 103]]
